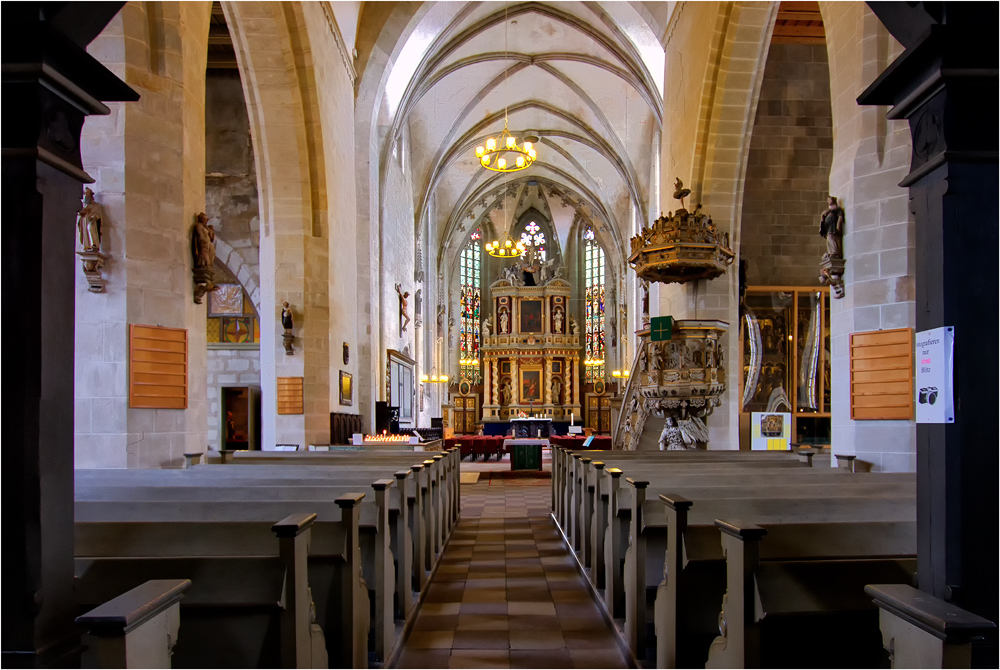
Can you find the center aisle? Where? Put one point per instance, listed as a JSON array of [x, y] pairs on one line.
[[507, 593]]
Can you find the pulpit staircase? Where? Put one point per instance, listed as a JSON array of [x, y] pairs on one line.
[[633, 414]]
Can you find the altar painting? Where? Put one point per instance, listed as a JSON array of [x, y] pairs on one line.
[[531, 386], [531, 316]]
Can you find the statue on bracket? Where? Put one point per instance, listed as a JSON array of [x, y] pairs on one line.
[[89, 222], [286, 323], [442, 311], [404, 318], [417, 321], [644, 285], [504, 320], [557, 320], [203, 255], [574, 327], [831, 227], [486, 326]]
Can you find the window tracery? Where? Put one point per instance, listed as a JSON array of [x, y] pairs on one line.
[[470, 268], [594, 304]]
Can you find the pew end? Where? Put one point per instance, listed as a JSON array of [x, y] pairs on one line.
[[139, 628], [921, 631]]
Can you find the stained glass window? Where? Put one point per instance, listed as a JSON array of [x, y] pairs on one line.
[[594, 304], [533, 236], [470, 266]]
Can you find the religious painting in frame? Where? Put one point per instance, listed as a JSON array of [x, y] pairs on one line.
[[226, 299], [531, 316], [346, 388], [531, 385]]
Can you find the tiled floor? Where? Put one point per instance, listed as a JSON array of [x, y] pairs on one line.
[[507, 593]]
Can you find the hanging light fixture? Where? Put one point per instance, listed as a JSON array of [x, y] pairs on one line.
[[503, 153], [505, 247], [434, 378]]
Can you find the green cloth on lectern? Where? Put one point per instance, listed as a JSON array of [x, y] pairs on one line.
[[660, 328]]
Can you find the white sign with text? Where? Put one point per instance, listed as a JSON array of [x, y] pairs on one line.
[[935, 352]]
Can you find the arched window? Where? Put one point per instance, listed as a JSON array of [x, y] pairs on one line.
[[533, 236], [470, 266], [594, 304]]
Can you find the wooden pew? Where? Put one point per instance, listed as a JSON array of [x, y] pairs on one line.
[[788, 576], [241, 574], [689, 599], [622, 525], [139, 628], [376, 532]]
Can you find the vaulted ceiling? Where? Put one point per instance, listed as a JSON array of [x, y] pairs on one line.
[[584, 77]]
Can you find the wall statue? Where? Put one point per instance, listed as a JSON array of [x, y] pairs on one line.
[[831, 227], [404, 318], [486, 327], [286, 323], [556, 391], [89, 221], [506, 392], [557, 320], [504, 321], [574, 327], [644, 285], [203, 256]]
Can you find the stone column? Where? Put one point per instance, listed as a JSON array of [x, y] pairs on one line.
[[486, 384], [936, 84], [496, 381], [548, 380], [515, 386], [43, 181]]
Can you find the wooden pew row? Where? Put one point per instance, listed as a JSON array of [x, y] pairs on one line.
[[250, 602], [378, 546], [878, 485], [788, 582], [223, 489], [689, 598], [565, 477], [445, 482], [636, 539]]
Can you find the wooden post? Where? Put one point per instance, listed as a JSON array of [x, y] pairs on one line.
[[138, 629], [599, 519], [385, 627], [192, 459], [635, 581], [419, 530], [614, 593], [293, 551], [403, 549], [665, 617], [738, 646], [586, 507], [354, 616]]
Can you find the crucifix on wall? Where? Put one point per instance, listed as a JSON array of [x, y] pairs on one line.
[[404, 318]]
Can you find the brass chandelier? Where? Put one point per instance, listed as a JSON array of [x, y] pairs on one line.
[[502, 153], [500, 148], [505, 247]]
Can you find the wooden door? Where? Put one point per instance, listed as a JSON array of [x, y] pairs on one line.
[[594, 412], [466, 416], [605, 413]]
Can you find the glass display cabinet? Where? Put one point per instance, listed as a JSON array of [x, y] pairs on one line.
[[785, 340]]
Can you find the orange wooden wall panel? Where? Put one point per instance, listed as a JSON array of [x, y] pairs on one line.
[[882, 375], [158, 361]]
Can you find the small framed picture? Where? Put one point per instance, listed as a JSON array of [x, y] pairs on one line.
[[505, 367], [226, 299], [346, 388], [556, 367]]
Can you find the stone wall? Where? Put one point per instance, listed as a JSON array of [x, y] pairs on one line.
[[148, 158], [871, 157], [230, 176], [788, 169], [228, 367]]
